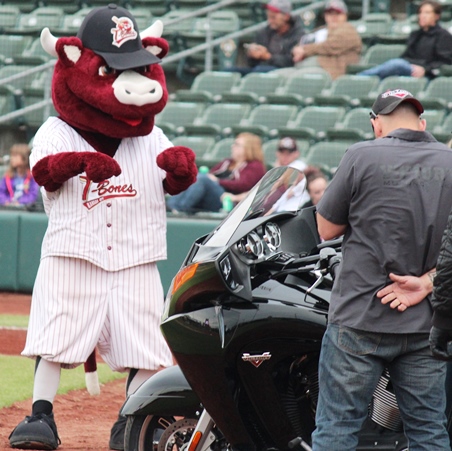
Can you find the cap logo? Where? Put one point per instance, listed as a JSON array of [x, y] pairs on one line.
[[400, 93], [123, 32]]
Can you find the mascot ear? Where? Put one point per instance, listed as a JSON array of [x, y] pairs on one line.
[[68, 50], [152, 40]]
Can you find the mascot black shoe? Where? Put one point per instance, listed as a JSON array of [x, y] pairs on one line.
[[35, 432]]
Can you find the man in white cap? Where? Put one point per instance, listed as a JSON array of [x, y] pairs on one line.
[[273, 44]]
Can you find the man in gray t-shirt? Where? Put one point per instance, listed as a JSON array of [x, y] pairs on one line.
[[390, 197]]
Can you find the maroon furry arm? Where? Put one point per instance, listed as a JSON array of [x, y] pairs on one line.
[[52, 171], [179, 164]]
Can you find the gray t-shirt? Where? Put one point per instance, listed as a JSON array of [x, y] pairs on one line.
[[395, 193]]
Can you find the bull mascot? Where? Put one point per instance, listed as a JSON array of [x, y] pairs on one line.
[[104, 169]]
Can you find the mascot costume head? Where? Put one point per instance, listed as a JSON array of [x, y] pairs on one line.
[[105, 169], [108, 85]]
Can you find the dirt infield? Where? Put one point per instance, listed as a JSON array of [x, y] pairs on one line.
[[83, 421]]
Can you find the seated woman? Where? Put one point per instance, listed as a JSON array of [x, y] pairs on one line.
[[235, 175], [18, 186]]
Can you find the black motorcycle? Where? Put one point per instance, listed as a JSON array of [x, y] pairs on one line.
[[244, 318]]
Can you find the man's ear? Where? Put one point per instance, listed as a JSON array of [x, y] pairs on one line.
[[376, 127], [422, 125]]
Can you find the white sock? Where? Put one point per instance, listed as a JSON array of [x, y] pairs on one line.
[[47, 380]]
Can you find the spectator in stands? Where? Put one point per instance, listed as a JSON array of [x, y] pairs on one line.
[[273, 44], [236, 174], [427, 48], [18, 186], [288, 154], [329, 49], [316, 183]]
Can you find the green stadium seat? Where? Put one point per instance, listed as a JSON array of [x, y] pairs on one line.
[[9, 18], [220, 150], [327, 155], [68, 6], [216, 24], [33, 54], [201, 145], [355, 126], [157, 7], [443, 132], [265, 120], [434, 118], [36, 20], [176, 115], [23, 5], [437, 94], [218, 118], [11, 46], [376, 54], [347, 91], [373, 25], [312, 122], [71, 22], [208, 87], [253, 88], [300, 89]]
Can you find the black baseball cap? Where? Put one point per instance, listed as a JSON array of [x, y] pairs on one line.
[[389, 100], [287, 144], [112, 32]]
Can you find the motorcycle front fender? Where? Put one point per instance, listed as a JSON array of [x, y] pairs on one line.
[[165, 393]]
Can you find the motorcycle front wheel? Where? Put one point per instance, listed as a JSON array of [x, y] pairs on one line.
[[157, 433]]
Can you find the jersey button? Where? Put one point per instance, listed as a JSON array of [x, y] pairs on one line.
[[108, 225], [109, 204], [109, 248]]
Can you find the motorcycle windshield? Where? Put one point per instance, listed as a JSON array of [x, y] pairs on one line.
[[281, 189]]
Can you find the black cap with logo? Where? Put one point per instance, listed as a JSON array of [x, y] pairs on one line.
[[389, 100], [112, 32]]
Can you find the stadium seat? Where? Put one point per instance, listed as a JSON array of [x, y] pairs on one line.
[[71, 22], [219, 151], [68, 6], [312, 122], [400, 30], [355, 126], [201, 145], [216, 24], [218, 118], [23, 5], [253, 88], [9, 18], [23, 81], [300, 89], [208, 87], [347, 91], [33, 54], [443, 132], [437, 94], [327, 155], [36, 20], [11, 46], [434, 118], [176, 115], [376, 54], [373, 25], [157, 7], [265, 120]]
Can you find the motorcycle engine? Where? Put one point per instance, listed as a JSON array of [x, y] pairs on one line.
[[384, 409]]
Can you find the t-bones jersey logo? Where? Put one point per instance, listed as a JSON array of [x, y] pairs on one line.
[[256, 360], [95, 193]]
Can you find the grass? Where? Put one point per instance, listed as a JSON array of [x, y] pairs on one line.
[[16, 378], [14, 321]]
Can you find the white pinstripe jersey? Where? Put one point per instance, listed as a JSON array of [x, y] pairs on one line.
[[115, 224]]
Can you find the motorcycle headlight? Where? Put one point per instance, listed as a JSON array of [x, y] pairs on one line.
[[226, 271]]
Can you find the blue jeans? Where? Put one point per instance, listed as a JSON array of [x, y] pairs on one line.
[[203, 195], [351, 363], [395, 66]]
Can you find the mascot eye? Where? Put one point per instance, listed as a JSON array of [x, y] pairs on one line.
[[106, 70], [142, 69]]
